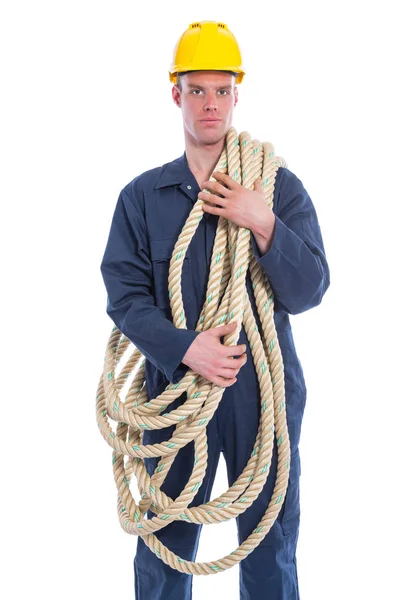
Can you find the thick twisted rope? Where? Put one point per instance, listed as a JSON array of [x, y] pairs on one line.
[[227, 299]]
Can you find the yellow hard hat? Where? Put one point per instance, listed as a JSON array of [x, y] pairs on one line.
[[207, 46]]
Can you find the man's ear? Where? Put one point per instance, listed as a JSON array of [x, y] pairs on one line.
[[176, 95], [236, 95]]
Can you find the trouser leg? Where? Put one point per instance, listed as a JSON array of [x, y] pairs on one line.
[[269, 572], [154, 580]]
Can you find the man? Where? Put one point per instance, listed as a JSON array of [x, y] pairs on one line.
[[149, 215]]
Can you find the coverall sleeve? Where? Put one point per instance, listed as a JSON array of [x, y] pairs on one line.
[[295, 263], [127, 272]]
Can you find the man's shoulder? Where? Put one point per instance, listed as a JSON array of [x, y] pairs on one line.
[[147, 180], [288, 184], [287, 178]]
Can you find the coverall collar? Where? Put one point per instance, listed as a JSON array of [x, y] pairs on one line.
[[177, 172]]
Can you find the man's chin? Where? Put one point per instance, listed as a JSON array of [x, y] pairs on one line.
[[211, 137]]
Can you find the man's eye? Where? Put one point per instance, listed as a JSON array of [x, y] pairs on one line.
[[224, 91], [193, 91]]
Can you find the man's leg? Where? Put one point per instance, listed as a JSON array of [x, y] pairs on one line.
[[154, 580], [269, 572]]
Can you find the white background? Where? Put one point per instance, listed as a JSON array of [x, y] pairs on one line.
[[86, 106]]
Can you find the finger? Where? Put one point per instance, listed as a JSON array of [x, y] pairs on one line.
[[226, 180], [229, 373], [261, 188], [234, 363], [221, 330], [212, 209], [214, 186], [212, 198], [234, 350], [224, 382]]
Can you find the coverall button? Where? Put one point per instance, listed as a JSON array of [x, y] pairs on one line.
[[189, 187]]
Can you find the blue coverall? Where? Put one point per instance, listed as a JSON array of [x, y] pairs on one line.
[[149, 215]]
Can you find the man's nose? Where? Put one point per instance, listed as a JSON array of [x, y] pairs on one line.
[[210, 104]]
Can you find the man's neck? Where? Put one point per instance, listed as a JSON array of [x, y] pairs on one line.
[[202, 160]]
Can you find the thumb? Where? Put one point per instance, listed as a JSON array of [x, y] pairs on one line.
[[224, 329], [258, 185]]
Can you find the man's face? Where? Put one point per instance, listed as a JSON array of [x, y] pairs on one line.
[[207, 101]]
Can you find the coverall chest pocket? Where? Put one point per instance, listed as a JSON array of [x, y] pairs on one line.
[[161, 254]]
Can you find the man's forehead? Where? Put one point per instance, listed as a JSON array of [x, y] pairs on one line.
[[208, 79]]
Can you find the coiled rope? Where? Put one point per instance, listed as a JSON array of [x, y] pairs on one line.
[[227, 299]]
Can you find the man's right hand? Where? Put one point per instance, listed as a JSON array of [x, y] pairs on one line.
[[208, 357]]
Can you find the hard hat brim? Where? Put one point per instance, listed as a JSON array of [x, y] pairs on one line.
[[173, 73]]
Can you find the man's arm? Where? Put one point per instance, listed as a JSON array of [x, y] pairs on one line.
[[294, 261], [127, 273]]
